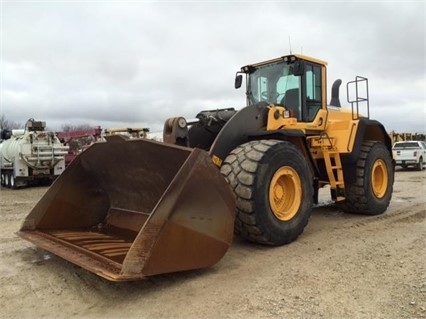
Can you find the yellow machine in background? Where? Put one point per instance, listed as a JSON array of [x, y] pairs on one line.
[[127, 209], [399, 137]]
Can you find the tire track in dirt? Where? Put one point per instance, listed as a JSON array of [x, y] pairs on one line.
[[413, 213]]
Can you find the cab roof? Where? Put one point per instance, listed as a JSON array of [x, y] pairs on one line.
[[287, 57]]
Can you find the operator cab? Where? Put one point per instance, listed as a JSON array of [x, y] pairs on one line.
[[292, 81]]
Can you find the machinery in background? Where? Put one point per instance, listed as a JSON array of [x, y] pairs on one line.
[[31, 156], [78, 141], [128, 132], [400, 137]]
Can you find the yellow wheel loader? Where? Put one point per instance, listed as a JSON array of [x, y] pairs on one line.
[[127, 209]]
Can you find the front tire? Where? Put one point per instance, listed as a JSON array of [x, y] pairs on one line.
[[371, 192], [273, 185]]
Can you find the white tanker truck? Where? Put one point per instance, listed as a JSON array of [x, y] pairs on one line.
[[31, 155]]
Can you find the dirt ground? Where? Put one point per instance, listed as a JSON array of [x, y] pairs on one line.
[[343, 266]]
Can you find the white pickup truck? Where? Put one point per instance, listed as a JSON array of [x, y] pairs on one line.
[[410, 153]]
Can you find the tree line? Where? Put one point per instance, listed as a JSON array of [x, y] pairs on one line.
[[8, 125]]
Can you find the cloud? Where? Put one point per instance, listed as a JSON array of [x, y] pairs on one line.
[[137, 63]]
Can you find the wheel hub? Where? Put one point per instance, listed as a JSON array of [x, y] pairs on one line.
[[285, 193], [379, 178]]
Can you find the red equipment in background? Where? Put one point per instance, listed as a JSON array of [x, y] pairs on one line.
[[78, 141]]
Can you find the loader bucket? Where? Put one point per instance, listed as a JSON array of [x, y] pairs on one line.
[[127, 209]]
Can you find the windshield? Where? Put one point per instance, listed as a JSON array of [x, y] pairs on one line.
[[274, 83]]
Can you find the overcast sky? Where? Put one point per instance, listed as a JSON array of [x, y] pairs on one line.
[[136, 63]]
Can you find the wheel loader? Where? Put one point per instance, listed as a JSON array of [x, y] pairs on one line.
[[126, 209]]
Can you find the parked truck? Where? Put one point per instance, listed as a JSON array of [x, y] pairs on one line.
[[410, 153], [31, 155]]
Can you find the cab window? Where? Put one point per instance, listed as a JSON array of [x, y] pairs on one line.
[[313, 90]]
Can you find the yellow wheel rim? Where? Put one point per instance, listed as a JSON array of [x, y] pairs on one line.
[[379, 178], [285, 193]]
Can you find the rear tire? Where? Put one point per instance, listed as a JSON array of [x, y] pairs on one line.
[[371, 193], [12, 182], [420, 164], [8, 182], [272, 182]]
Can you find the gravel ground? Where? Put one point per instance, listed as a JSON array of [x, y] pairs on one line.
[[342, 266]]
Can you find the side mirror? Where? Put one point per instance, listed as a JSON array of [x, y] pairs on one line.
[[238, 81], [299, 68]]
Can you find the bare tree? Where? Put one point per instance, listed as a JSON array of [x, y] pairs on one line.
[[6, 127], [6, 124], [70, 127]]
